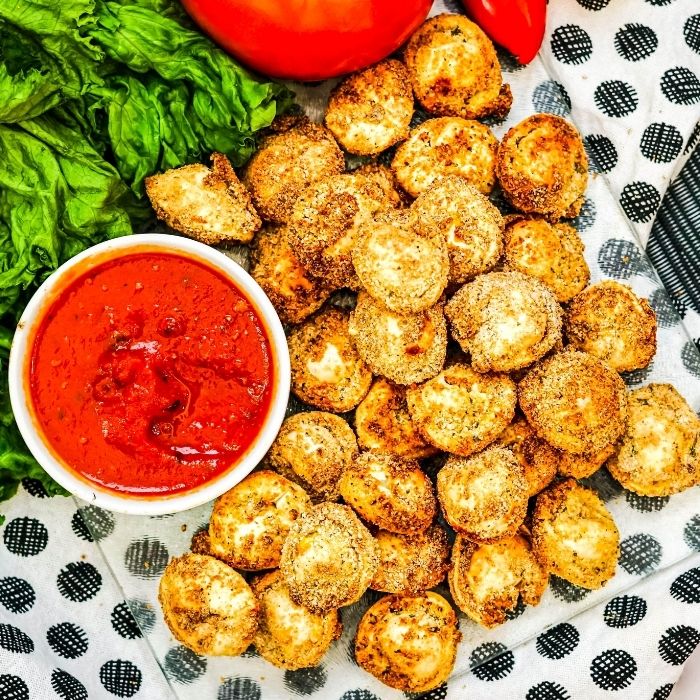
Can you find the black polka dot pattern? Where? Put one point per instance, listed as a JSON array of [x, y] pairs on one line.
[[640, 554], [663, 692], [551, 97], [123, 622], [144, 614], [571, 44], [16, 594], [681, 86], [625, 611], [691, 32], [678, 643], [13, 639], [34, 487], [67, 687], [632, 379], [491, 661], [13, 688], [557, 642], [603, 484], [691, 358], [568, 592], [146, 558], [601, 152], [659, 3], [586, 217], [517, 611], [686, 587], [667, 312], [646, 504], [79, 581], [693, 139], [622, 259], [593, 5], [616, 98], [636, 41], [359, 694], [509, 63], [305, 681], [183, 665], [121, 678], [639, 201], [25, 537], [238, 689], [661, 143], [67, 640], [439, 693], [92, 524], [547, 691], [614, 669], [691, 533]]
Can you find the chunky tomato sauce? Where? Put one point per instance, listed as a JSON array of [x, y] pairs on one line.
[[151, 374]]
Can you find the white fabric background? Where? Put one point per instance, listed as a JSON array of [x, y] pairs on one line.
[[663, 536]]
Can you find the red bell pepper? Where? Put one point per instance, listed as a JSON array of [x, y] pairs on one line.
[[517, 25]]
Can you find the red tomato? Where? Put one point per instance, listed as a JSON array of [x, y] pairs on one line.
[[308, 39]]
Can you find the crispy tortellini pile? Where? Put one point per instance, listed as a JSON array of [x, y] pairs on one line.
[[454, 376]]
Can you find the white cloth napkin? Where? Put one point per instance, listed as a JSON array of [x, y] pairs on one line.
[[79, 618]]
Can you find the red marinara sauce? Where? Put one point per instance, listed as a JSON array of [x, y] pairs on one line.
[[150, 374]]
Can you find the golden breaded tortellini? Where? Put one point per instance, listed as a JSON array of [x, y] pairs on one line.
[[290, 636], [404, 348], [325, 220], [207, 204], [293, 291], [329, 558], [542, 166], [313, 448], [483, 497], [404, 271], [610, 321], [660, 450], [371, 110], [409, 642], [584, 465], [471, 226], [574, 535], [447, 146], [411, 564], [384, 176], [250, 522], [460, 410], [574, 401], [327, 371], [486, 580], [538, 458], [383, 423], [454, 69], [208, 606], [504, 320], [287, 161], [389, 492], [551, 252]]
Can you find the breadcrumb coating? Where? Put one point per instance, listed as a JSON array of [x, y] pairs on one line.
[[574, 535], [660, 451], [574, 401], [408, 642]]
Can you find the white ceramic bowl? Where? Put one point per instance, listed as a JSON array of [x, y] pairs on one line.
[[20, 356]]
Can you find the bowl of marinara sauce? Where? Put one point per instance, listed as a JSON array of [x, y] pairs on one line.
[[149, 374]]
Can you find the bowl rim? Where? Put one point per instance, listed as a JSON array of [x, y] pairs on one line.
[[20, 354]]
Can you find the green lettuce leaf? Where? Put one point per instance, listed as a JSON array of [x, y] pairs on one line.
[[97, 95]]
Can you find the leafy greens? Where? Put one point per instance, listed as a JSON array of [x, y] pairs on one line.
[[96, 95]]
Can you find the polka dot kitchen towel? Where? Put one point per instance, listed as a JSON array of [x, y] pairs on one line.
[[78, 610]]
